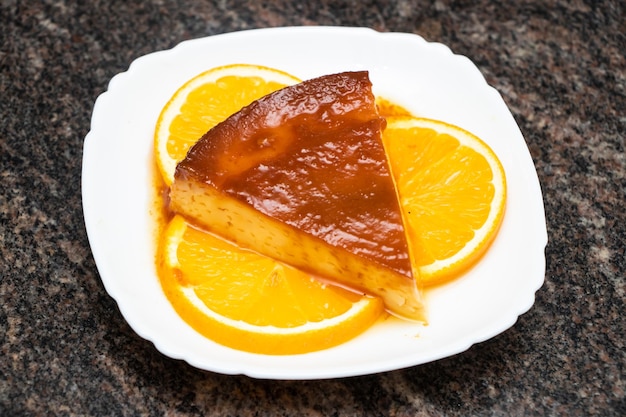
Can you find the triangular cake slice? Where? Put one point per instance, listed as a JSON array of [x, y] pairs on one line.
[[301, 175]]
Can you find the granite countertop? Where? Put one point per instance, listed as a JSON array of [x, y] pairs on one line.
[[65, 347]]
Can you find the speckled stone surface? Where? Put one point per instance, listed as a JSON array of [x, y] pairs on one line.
[[65, 349]]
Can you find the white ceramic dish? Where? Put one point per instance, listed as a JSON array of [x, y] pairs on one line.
[[428, 79]]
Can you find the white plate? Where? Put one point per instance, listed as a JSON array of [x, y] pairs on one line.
[[424, 77]]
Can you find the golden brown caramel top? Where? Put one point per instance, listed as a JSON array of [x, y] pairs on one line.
[[311, 155]]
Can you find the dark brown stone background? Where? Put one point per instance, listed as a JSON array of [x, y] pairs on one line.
[[65, 348]]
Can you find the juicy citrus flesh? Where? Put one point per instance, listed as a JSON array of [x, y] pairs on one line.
[[452, 190], [250, 302], [206, 100]]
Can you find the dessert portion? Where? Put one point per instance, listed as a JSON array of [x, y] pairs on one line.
[[301, 176]]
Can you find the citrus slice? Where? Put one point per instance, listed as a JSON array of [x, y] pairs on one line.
[[249, 302], [452, 190], [206, 100]]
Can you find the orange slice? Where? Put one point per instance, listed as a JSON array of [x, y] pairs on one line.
[[250, 302], [206, 100], [452, 189]]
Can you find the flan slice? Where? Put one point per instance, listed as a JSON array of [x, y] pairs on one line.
[[301, 176]]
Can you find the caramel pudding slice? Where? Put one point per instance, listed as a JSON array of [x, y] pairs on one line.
[[301, 176]]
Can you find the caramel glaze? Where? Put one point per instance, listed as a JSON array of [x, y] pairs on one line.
[[311, 156]]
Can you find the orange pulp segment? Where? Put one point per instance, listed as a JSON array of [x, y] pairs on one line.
[[452, 190], [250, 302]]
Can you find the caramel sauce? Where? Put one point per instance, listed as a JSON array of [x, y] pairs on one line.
[[160, 211], [388, 109]]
